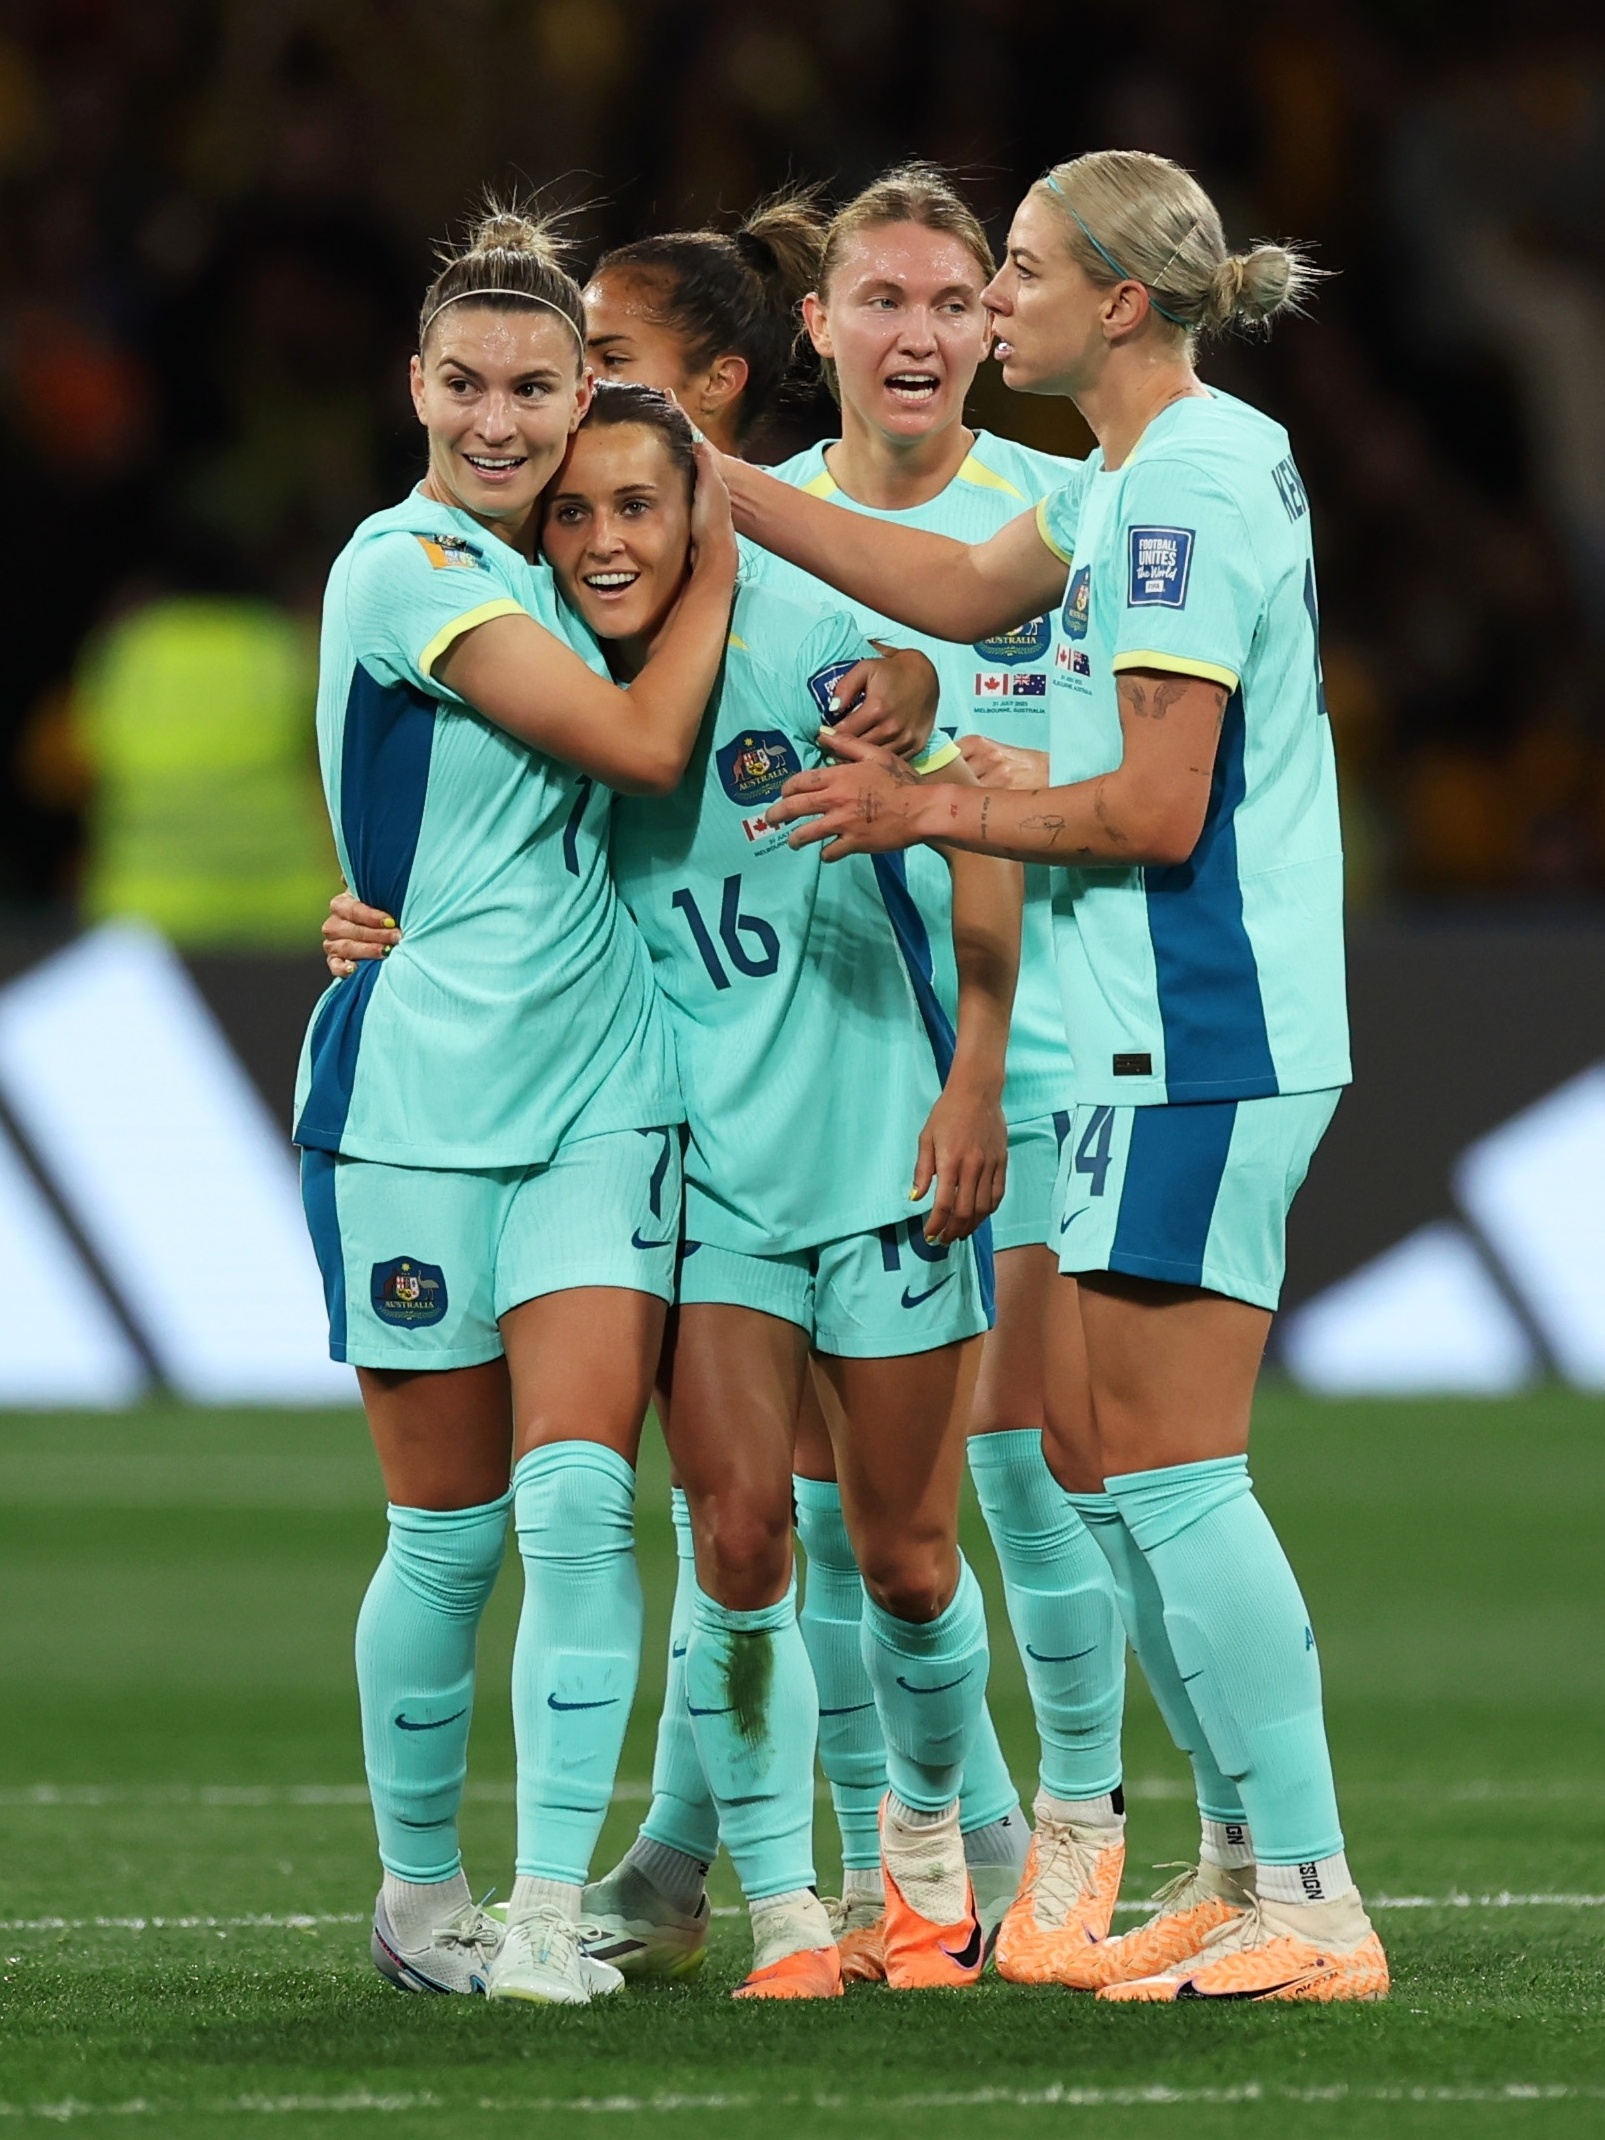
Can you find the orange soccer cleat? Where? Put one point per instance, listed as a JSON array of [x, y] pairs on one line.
[[860, 1929], [1314, 1951], [921, 1953], [1066, 1900], [810, 1973], [1186, 1911]]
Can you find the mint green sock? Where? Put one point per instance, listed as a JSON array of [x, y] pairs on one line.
[[1144, 1615], [750, 1697], [1243, 1645], [851, 1750], [930, 1688], [416, 1634], [986, 1789], [578, 1649], [682, 1815], [1061, 1600]]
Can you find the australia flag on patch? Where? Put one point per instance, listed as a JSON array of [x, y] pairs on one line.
[[408, 1294], [756, 766], [823, 685], [1160, 561]]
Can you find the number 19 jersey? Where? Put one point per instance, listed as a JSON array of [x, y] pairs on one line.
[[810, 1041]]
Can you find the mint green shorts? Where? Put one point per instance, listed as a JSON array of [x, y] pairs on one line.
[[1024, 1219], [1192, 1195], [870, 1296], [420, 1264]]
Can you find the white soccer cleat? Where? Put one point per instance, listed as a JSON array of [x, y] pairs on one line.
[[543, 1961], [456, 1958], [639, 1930]]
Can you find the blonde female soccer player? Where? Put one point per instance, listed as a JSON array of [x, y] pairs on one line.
[[1193, 811], [488, 1117]]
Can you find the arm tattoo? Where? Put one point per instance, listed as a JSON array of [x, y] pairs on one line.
[[986, 812], [1046, 821], [1100, 810]]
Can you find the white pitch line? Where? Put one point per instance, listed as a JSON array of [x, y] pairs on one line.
[[1055, 2094], [309, 1920]]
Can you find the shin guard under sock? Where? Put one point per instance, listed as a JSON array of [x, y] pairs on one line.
[[929, 1679], [578, 1649], [852, 1752], [1240, 1634], [415, 1675], [1062, 1608], [750, 1696], [682, 1815]]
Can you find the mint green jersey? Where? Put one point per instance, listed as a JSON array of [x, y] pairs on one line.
[[1220, 978], [518, 1009], [997, 688], [810, 1042]]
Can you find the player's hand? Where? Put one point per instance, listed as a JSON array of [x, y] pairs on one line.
[[1001, 765], [964, 1149], [890, 701], [352, 931], [872, 804], [713, 537]]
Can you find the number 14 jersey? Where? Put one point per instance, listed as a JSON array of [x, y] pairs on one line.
[[810, 1041]]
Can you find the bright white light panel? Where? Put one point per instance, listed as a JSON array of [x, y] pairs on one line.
[[59, 1342], [171, 1165]]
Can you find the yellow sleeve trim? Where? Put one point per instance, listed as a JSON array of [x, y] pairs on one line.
[[935, 756], [450, 633], [984, 478], [1063, 556], [821, 486], [738, 643], [1210, 671]]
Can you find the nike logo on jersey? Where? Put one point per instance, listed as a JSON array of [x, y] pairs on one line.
[[405, 1723], [1066, 1224], [909, 1688], [637, 1242], [912, 1300], [969, 1955], [552, 1702], [1188, 1677], [855, 1709], [1069, 1656]]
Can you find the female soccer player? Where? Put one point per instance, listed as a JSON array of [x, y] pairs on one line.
[[488, 1117], [897, 320], [1194, 814]]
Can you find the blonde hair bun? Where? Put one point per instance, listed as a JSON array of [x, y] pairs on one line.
[[1249, 288], [510, 230]]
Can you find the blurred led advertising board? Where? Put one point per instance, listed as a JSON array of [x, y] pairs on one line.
[[139, 1124]]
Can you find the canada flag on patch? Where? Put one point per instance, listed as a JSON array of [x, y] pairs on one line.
[[992, 683], [755, 828]]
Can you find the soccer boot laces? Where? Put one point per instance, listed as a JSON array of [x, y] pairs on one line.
[[456, 1957], [543, 1960], [639, 1930], [1066, 1900], [1280, 1952], [1186, 1911]]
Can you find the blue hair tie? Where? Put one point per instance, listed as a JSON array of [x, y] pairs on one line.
[[1108, 257]]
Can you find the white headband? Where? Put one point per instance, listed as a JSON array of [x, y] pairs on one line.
[[523, 297]]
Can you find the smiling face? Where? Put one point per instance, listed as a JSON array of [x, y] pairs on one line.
[[499, 393], [903, 321], [617, 529], [1051, 321]]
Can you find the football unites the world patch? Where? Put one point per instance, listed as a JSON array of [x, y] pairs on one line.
[[823, 684], [1161, 559], [756, 766], [443, 551], [1077, 604], [1027, 642], [408, 1294]]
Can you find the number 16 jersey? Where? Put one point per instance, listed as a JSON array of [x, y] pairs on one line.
[[810, 1041]]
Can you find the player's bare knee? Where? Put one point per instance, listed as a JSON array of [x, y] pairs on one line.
[[744, 1540]]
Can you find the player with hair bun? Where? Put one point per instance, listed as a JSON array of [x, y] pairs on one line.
[[1192, 812], [488, 1116]]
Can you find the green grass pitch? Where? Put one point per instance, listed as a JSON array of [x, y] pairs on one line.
[[188, 1861]]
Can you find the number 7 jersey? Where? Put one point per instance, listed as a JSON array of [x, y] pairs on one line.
[[810, 1042]]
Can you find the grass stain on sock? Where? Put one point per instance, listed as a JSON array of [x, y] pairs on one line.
[[749, 1673]]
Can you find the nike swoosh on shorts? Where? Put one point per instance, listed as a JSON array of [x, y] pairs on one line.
[[912, 1300]]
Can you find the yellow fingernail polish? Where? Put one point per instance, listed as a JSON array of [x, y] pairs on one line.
[[391, 922]]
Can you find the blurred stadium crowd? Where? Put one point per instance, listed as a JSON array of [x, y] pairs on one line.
[[215, 218]]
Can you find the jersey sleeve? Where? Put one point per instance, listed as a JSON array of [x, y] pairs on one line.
[[1058, 514], [1189, 585], [834, 646], [409, 597]]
